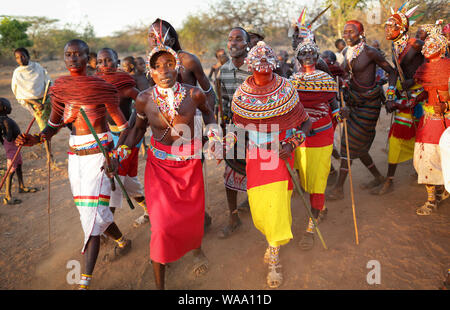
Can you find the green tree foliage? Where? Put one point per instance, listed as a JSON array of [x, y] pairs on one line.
[[13, 34]]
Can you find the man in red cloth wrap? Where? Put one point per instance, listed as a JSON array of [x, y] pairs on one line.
[[174, 186], [90, 185], [317, 91], [267, 106], [107, 64], [192, 73], [407, 54], [433, 75]]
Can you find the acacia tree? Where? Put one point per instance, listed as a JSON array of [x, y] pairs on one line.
[[13, 35]]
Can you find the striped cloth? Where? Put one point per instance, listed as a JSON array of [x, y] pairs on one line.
[[230, 79], [364, 113]]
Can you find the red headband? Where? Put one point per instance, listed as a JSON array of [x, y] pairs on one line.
[[357, 24]]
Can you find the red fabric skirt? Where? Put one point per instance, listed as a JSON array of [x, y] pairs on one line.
[[129, 166], [175, 197]]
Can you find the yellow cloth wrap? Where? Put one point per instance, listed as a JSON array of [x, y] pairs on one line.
[[313, 164], [400, 150], [270, 205]]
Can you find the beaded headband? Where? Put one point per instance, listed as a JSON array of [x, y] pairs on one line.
[[161, 47]]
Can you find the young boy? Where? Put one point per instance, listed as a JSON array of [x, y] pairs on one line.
[[9, 130]]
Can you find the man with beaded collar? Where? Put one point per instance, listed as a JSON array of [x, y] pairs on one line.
[[174, 186], [407, 54], [191, 70], [363, 98], [89, 183], [317, 91], [267, 106], [433, 75]]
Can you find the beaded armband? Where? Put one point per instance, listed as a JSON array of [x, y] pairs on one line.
[[390, 93], [121, 153], [213, 135], [53, 125], [296, 139], [229, 140], [335, 114], [142, 116]]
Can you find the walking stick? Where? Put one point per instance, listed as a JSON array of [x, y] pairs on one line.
[[20, 147], [48, 199], [108, 163], [297, 187], [349, 168]]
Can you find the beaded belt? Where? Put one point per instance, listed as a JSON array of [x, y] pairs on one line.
[[167, 156], [95, 150]]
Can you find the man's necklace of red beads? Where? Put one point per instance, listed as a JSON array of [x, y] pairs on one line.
[[161, 98]]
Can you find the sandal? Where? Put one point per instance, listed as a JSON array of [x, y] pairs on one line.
[[322, 215], [141, 220], [28, 190], [229, 229], [307, 241], [274, 277], [426, 209], [200, 265], [118, 252], [11, 201]]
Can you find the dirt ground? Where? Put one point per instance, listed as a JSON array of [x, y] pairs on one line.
[[413, 251]]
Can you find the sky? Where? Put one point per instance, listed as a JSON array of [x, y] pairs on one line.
[[107, 16]]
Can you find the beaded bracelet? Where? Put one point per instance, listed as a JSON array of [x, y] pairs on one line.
[[121, 153], [390, 93], [336, 115], [41, 137]]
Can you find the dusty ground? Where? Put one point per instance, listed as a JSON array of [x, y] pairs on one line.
[[413, 251]]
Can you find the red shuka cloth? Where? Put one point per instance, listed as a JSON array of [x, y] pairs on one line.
[[175, 197]]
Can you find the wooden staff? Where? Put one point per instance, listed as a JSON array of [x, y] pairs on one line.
[[107, 159], [297, 187], [49, 163], [20, 147], [348, 164]]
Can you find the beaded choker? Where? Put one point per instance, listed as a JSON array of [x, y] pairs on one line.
[[354, 51], [400, 44], [169, 99]]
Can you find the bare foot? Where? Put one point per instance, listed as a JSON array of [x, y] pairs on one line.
[[385, 188], [373, 183], [337, 193]]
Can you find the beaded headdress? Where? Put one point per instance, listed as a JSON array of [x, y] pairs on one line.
[[259, 52], [434, 43], [403, 17], [160, 46], [305, 29]]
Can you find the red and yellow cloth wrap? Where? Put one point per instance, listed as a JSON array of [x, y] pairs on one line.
[[269, 190], [271, 111], [402, 134], [313, 157], [174, 193], [427, 157]]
